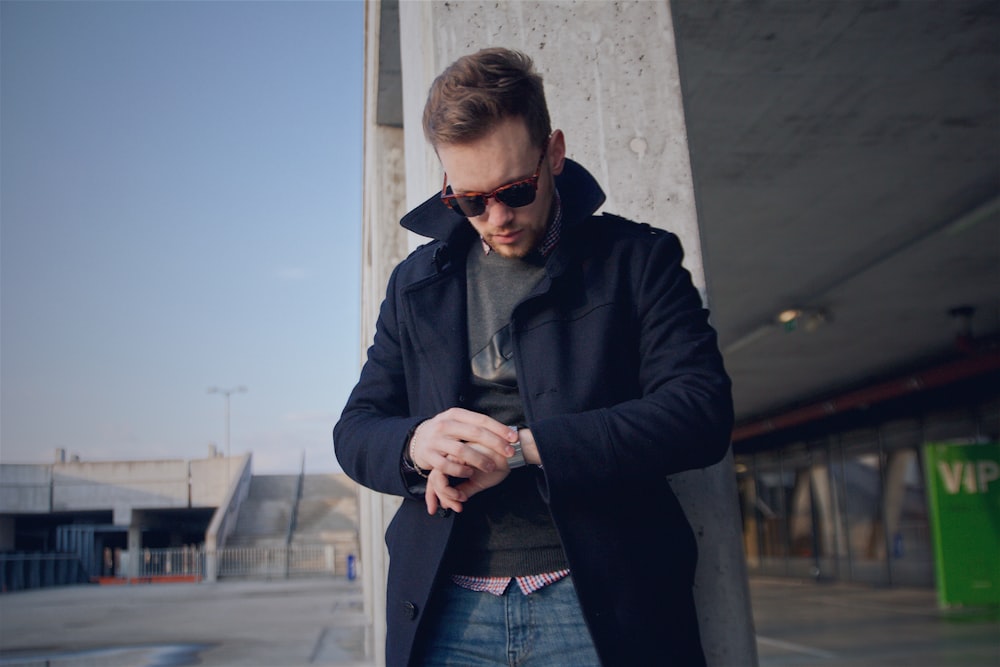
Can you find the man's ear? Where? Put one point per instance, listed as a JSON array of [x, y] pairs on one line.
[[557, 152]]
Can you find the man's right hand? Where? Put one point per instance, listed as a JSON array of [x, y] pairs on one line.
[[459, 442]]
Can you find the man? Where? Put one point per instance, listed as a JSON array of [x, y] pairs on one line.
[[537, 371]]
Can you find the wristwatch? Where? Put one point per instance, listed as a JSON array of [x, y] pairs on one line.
[[517, 459]]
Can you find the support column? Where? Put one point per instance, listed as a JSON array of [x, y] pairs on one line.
[[384, 244], [900, 462], [613, 86], [751, 528], [134, 546], [800, 528]]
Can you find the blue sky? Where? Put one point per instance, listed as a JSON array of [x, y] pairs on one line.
[[180, 208]]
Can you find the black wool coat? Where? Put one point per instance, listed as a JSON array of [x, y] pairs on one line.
[[622, 383]]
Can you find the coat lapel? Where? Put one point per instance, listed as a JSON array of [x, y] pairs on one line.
[[439, 333]]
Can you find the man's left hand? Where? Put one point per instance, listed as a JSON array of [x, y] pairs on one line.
[[440, 492]]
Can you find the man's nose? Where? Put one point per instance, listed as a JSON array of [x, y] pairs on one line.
[[498, 213]]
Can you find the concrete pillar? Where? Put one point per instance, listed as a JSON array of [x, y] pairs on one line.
[[898, 465], [211, 573], [824, 511], [751, 528], [134, 546], [384, 244], [828, 519], [800, 515], [613, 86]]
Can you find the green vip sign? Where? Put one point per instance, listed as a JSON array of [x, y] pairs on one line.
[[963, 488]]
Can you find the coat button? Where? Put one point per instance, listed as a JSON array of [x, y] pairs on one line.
[[409, 610], [443, 513]]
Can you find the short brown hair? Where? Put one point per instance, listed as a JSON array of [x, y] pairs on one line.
[[479, 90]]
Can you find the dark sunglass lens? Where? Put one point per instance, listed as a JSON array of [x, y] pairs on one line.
[[518, 195], [472, 206]]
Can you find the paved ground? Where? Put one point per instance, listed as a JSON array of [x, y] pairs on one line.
[[321, 622], [808, 624], [272, 624]]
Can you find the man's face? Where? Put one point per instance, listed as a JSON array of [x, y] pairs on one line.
[[503, 156]]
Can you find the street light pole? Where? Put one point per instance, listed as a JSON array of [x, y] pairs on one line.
[[227, 393]]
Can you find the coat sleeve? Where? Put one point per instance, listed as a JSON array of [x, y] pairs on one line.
[[682, 416], [372, 431]]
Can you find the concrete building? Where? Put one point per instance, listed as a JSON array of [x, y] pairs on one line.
[[198, 519], [847, 163]]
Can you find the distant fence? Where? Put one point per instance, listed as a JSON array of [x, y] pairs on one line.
[[235, 562], [39, 570], [20, 571], [251, 562]]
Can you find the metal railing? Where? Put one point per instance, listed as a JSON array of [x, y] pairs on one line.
[[279, 562], [181, 562]]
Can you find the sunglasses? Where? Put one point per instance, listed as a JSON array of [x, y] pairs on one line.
[[516, 194]]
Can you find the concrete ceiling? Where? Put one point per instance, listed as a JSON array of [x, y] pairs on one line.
[[846, 156]]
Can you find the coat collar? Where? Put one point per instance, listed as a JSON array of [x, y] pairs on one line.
[[441, 340], [581, 197]]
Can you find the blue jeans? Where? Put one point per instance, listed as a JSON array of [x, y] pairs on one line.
[[544, 629]]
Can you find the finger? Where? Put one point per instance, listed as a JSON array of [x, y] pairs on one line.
[[494, 436], [439, 483], [450, 466], [431, 500], [453, 505], [463, 459], [442, 438], [452, 499], [477, 448], [479, 457], [444, 495], [450, 434], [469, 488], [474, 427], [450, 494], [434, 484]]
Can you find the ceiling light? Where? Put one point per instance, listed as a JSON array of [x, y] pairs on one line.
[[790, 319], [810, 319], [789, 315]]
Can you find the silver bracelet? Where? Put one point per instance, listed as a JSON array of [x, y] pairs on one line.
[[412, 462]]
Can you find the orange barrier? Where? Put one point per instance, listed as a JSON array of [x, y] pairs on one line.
[[161, 579]]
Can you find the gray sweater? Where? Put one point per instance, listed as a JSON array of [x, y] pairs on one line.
[[506, 530]]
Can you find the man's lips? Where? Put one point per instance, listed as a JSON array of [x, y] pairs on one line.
[[507, 237]]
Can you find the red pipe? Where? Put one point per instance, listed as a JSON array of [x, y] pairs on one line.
[[961, 369]]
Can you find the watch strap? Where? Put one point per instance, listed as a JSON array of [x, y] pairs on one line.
[[517, 459]]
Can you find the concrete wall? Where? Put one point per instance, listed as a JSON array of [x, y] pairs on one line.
[[210, 478], [611, 83], [114, 485], [25, 488], [224, 520], [120, 484]]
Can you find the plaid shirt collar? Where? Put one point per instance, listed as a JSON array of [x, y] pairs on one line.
[[498, 585], [552, 235]]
